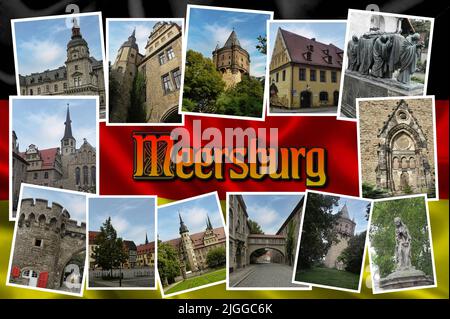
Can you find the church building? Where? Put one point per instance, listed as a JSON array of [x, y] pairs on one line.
[[65, 166], [81, 74]]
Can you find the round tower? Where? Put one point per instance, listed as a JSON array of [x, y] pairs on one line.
[[127, 58], [186, 246]]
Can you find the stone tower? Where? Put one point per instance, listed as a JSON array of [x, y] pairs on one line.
[[345, 228], [231, 60], [186, 246], [80, 78], [209, 237], [68, 142]]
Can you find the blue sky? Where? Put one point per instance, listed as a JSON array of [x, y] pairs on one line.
[[329, 32], [119, 31], [270, 211], [42, 44], [41, 121], [356, 209], [74, 203], [209, 27], [193, 212], [131, 217]]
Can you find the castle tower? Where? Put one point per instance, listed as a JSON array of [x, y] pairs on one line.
[[231, 60], [68, 142], [127, 58], [345, 228], [209, 237], [186, 245], [78, 64]]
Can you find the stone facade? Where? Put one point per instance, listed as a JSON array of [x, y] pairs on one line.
[[231, 60], [304, 72], [397, 146], [66, 167], [82, 74], [193, 248], [160, 66], [50, 248], [345, 228]]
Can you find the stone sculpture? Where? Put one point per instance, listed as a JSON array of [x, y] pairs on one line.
[[353, 54], [410, 53], [402, 245]]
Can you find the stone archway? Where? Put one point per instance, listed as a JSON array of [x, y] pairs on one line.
[[171, 116], [266, 248]]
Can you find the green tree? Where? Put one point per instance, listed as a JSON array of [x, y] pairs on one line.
[[318, 229], [168, 263], [255, 228], [137, 113], [262, 44], [290, 242], [244, 99], [216, 257], [370, 191], [412, 212], [114, 97], [352, 256], [202, 84], [109, 252]]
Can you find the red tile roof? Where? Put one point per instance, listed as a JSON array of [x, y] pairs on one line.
[[197, 238], [48, 156], [297, 47], [146, 248], [92, 236]]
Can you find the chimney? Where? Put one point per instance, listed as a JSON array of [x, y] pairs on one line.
[[313, 39]]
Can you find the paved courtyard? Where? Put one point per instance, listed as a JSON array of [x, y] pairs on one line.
[[312, 110], [263, 275], [141, 282]]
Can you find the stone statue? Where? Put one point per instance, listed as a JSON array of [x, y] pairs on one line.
[[402, 246], [353, 54], [409, 55], [365, 48], [381, 50]]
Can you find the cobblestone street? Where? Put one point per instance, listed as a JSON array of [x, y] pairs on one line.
[[264, 275]]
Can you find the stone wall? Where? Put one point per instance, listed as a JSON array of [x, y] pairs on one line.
[[373, 115]]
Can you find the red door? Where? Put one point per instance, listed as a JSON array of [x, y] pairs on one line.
[[42, 280], [15, 272]]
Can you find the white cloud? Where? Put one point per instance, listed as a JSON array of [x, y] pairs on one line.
[[47, 129], [266, 217], [41, 55]]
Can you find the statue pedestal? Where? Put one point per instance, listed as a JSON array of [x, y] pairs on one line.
[[358, 86], [405, 278]]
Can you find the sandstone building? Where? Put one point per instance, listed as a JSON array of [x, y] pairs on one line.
[[146, 254], [397, 146], [81, 74], [231, 60], [304, 73], [160, 68], [65, 166], [49, 249], [345, 228], [242, 244], [193, 248]]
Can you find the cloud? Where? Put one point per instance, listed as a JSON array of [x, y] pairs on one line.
[[195, 216], [47, 129], [39, 55], [268, 218]]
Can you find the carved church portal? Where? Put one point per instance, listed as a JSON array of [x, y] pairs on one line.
[[404, 172]]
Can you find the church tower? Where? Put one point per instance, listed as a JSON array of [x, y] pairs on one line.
[[345, 228], [186, 245], [68, 142], [80, 76], [232, 60], [209, 237]]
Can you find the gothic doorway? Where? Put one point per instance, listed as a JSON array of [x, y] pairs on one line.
[[335, 98], [171, 116], [404, 173], [72, 275], [305, 99]]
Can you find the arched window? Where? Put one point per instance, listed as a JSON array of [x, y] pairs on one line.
[[41, 220], [323, 96], [404, 162], [85, 175], [412, 162], [395, 164], [93, 175], [77, 176]]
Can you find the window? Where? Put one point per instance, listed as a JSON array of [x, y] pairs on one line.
[[120, 69], [312, 75], [167, 84], [176, 74], [93, 175], [85, 175], [77, 176], [132, 55], [35, 175], [276, 77], [333, 76], [47, 88], [31, 91], [38, 242], [308, 56], [77, 81], [169, 34], [170, 54], [323, 77], [323, 96], [46, 175], [302, 74], [39, 90], [162, 58], [76, 67], [56, 87], [65, 86], [284, 75]]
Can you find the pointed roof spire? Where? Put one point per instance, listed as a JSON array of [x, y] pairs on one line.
[[344, 212], [131, 42], [134, 33], [183, 227], [146, 238], [208, 223], [232, 40], [68, 124]]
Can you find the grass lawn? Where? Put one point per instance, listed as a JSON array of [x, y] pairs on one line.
[[210, 277], [329, 277]]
